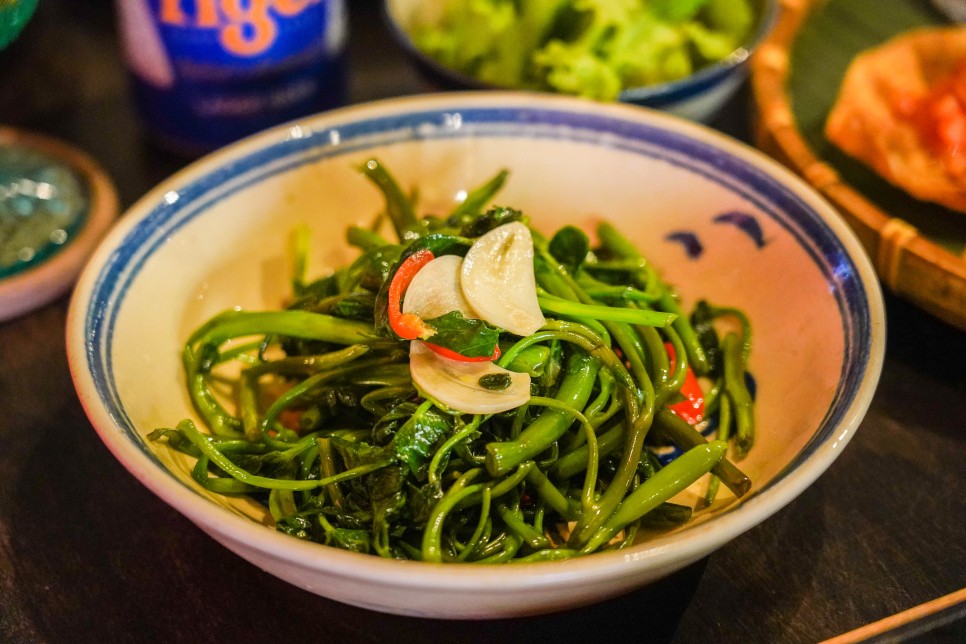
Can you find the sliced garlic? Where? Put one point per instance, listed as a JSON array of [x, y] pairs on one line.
[[498, 280], [456, 384], [435, 290]]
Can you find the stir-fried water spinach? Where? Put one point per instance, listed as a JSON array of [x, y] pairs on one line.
[[434, 433]]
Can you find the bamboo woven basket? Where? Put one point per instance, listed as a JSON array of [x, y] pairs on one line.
[[909, 263]]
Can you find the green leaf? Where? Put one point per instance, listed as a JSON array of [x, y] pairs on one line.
[[469, 337], [415, 441], [371, 269], [495, 381], [388, 502], [676, 10], [409, 432], [208, 357], [348, 539], [489, 220], [710, 45], [273, 464], [357, 453], [733, 17], [298, 526], [570, 246], [384, 429], [423, 500], [357, 306], [319, 289], [702, 319]]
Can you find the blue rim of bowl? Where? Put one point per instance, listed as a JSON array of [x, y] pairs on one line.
[[634, 133], [659, 95]]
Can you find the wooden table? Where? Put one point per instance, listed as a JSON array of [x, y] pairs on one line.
[[88, 554]]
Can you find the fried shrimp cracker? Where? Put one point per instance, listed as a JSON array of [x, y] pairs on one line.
[[901, 110]]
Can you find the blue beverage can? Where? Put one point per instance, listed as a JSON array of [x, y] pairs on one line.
[[205, 73]]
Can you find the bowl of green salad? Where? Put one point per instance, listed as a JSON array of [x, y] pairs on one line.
[[477, 355], [687, 57]]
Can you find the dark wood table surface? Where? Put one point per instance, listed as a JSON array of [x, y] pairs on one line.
[[88, 554]]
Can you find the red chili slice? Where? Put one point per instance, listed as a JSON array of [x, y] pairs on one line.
[[453, 355], [406, 325], [691, 408]]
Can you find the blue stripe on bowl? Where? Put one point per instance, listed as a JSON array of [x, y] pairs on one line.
[[776, 201]]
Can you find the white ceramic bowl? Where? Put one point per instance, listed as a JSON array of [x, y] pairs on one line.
[[697, 97], [216, 236]]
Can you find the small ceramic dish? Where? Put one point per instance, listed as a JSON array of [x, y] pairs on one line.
[[56, 203], [216, 236], [697, 97]]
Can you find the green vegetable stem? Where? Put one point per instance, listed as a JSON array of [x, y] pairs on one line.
[[668, 481], [575, 390]]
